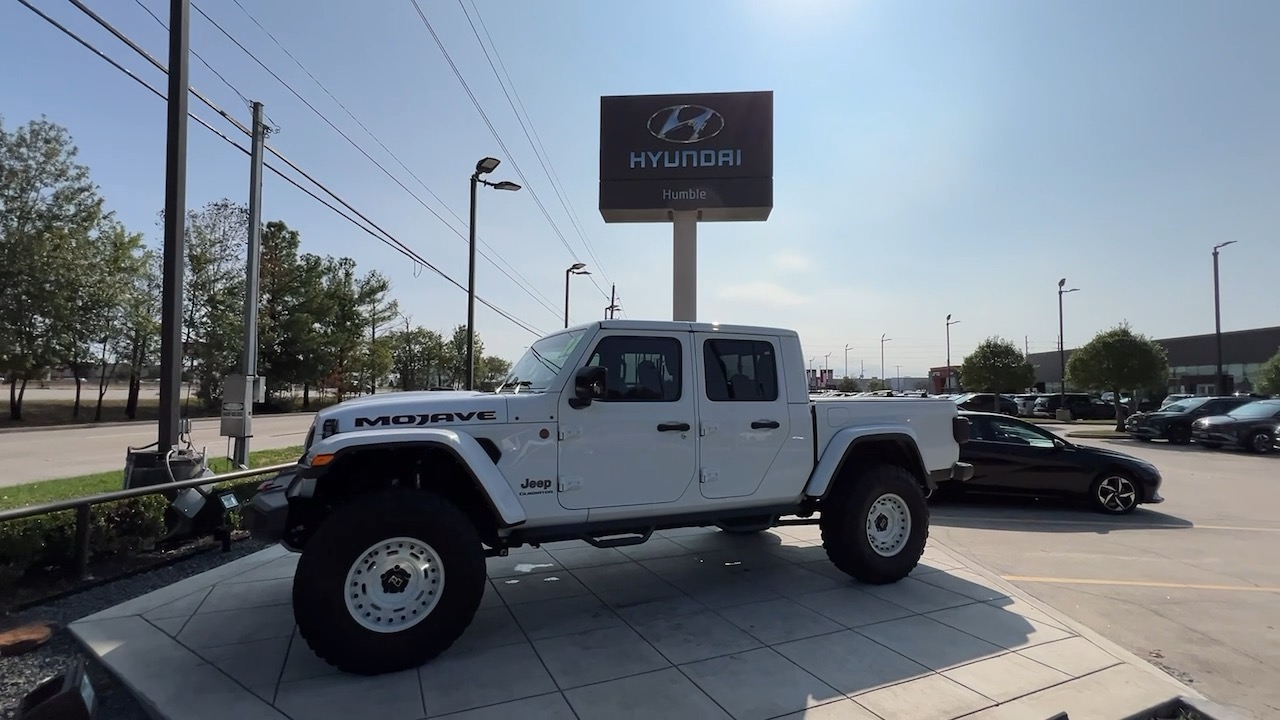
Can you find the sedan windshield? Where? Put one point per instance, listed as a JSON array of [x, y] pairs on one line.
[[1259, 410], [541, 363]]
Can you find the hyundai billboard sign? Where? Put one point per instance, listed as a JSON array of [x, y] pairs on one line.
[[711, 152]]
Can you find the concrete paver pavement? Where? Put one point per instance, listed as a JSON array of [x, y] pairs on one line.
[[1192, 584], [696, 623]]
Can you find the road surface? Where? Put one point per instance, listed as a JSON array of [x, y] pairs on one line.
[[67, 452], [1192, 584]]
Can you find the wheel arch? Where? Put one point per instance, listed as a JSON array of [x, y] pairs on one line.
[[851, 449], [454, 465]]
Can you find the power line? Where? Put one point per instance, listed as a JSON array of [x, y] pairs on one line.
[[550, 307], [484, 116], [390, 240], [539, 150]]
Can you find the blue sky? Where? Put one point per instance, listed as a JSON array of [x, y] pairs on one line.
[[930, 157]]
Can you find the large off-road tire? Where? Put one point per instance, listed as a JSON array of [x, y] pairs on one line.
[[388, 582], [875, 524]]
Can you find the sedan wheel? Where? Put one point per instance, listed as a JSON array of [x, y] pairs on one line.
[[1261, 441], [1114, 494]]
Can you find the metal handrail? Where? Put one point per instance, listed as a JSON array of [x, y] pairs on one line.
[[91, 500], [82, 504]]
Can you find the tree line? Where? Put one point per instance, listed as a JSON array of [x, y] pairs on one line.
[[81, 292]]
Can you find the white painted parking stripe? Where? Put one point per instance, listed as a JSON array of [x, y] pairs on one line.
[[1138, 583], [1103, 523]]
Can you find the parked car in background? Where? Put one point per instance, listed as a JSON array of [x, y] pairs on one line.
[[1082, 406], [1175, 397], [1026, 404], [1251, 426], [1173, 422], [1012, 456], [985, 402]]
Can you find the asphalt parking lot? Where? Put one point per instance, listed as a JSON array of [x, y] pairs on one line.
[[1192, 584]]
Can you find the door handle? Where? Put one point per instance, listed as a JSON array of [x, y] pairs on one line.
[[765, 425], [673, 427]]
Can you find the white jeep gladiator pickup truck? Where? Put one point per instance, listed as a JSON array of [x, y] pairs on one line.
[[604, 432]]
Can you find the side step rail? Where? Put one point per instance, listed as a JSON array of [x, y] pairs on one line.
[[622, 539]]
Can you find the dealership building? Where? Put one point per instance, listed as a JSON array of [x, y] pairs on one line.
[[1192, 361]]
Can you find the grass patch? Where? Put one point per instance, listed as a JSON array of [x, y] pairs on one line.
[[73, 487]]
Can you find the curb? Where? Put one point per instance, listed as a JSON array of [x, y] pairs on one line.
[[1074, 625], [128, 423], [1098, 434]]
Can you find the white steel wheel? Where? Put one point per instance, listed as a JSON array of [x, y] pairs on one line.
[[1116, 494], [888, 524], [394, 585]]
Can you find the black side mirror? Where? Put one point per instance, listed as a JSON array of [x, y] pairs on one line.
[[588, 384]]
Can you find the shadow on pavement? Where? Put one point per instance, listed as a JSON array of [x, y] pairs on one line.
[[1044, 515]]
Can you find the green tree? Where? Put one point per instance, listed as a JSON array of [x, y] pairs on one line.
[[417, 357], [849, 385], [876, 384], [49, 208], [491, 370], [140, 342], [374, 290], [996, 365], [1269, 379], [1118, 359]]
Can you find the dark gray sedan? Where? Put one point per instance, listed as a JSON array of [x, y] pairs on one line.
[[1251, 426]]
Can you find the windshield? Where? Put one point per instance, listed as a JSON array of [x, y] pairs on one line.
[[541, 362], [1256, 410], [1184, 405]]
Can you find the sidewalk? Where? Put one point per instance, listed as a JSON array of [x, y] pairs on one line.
[[693, 624]]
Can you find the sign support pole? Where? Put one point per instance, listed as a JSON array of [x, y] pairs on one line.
[[684, 276]]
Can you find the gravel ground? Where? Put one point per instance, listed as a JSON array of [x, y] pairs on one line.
[[20, 674]]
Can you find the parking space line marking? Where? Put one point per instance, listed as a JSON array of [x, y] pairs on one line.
[[1137, 583], [1103, 523]]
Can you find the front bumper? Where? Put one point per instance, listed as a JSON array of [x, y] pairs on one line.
[[1209, 435], [958, 472], [1145, 431]]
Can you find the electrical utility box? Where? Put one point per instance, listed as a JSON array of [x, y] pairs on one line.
[[239, 393]]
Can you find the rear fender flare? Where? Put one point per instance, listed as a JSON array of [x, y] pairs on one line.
[[470, 454], [846, 442]]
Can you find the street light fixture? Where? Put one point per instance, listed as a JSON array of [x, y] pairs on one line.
[[483, 167], [950, 322], [1217, 317], [1062, 343], [574, 269], [884, 338]]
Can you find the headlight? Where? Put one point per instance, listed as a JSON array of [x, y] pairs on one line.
[[329, 427]]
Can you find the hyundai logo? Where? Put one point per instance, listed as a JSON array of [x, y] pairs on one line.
[[685, 123]]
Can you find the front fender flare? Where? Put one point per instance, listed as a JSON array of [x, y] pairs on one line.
[[843, 443], [464, 448]]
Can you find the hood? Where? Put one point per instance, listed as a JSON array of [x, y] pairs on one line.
[[1157, 415], [417, 409], [1218, 420]]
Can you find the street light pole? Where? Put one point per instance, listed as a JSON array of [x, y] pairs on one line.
[[483, 167], [574, 269], [846, 359], [884, 338], [950, 322], [1217, 318], [1062, 345]]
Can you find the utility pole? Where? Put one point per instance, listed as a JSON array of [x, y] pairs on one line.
[[611, 311], [1026, 344], [175, 220], [1062, 344], [950, 322], [240, 455], [1217, 319], [884, 338], [898, 373]]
